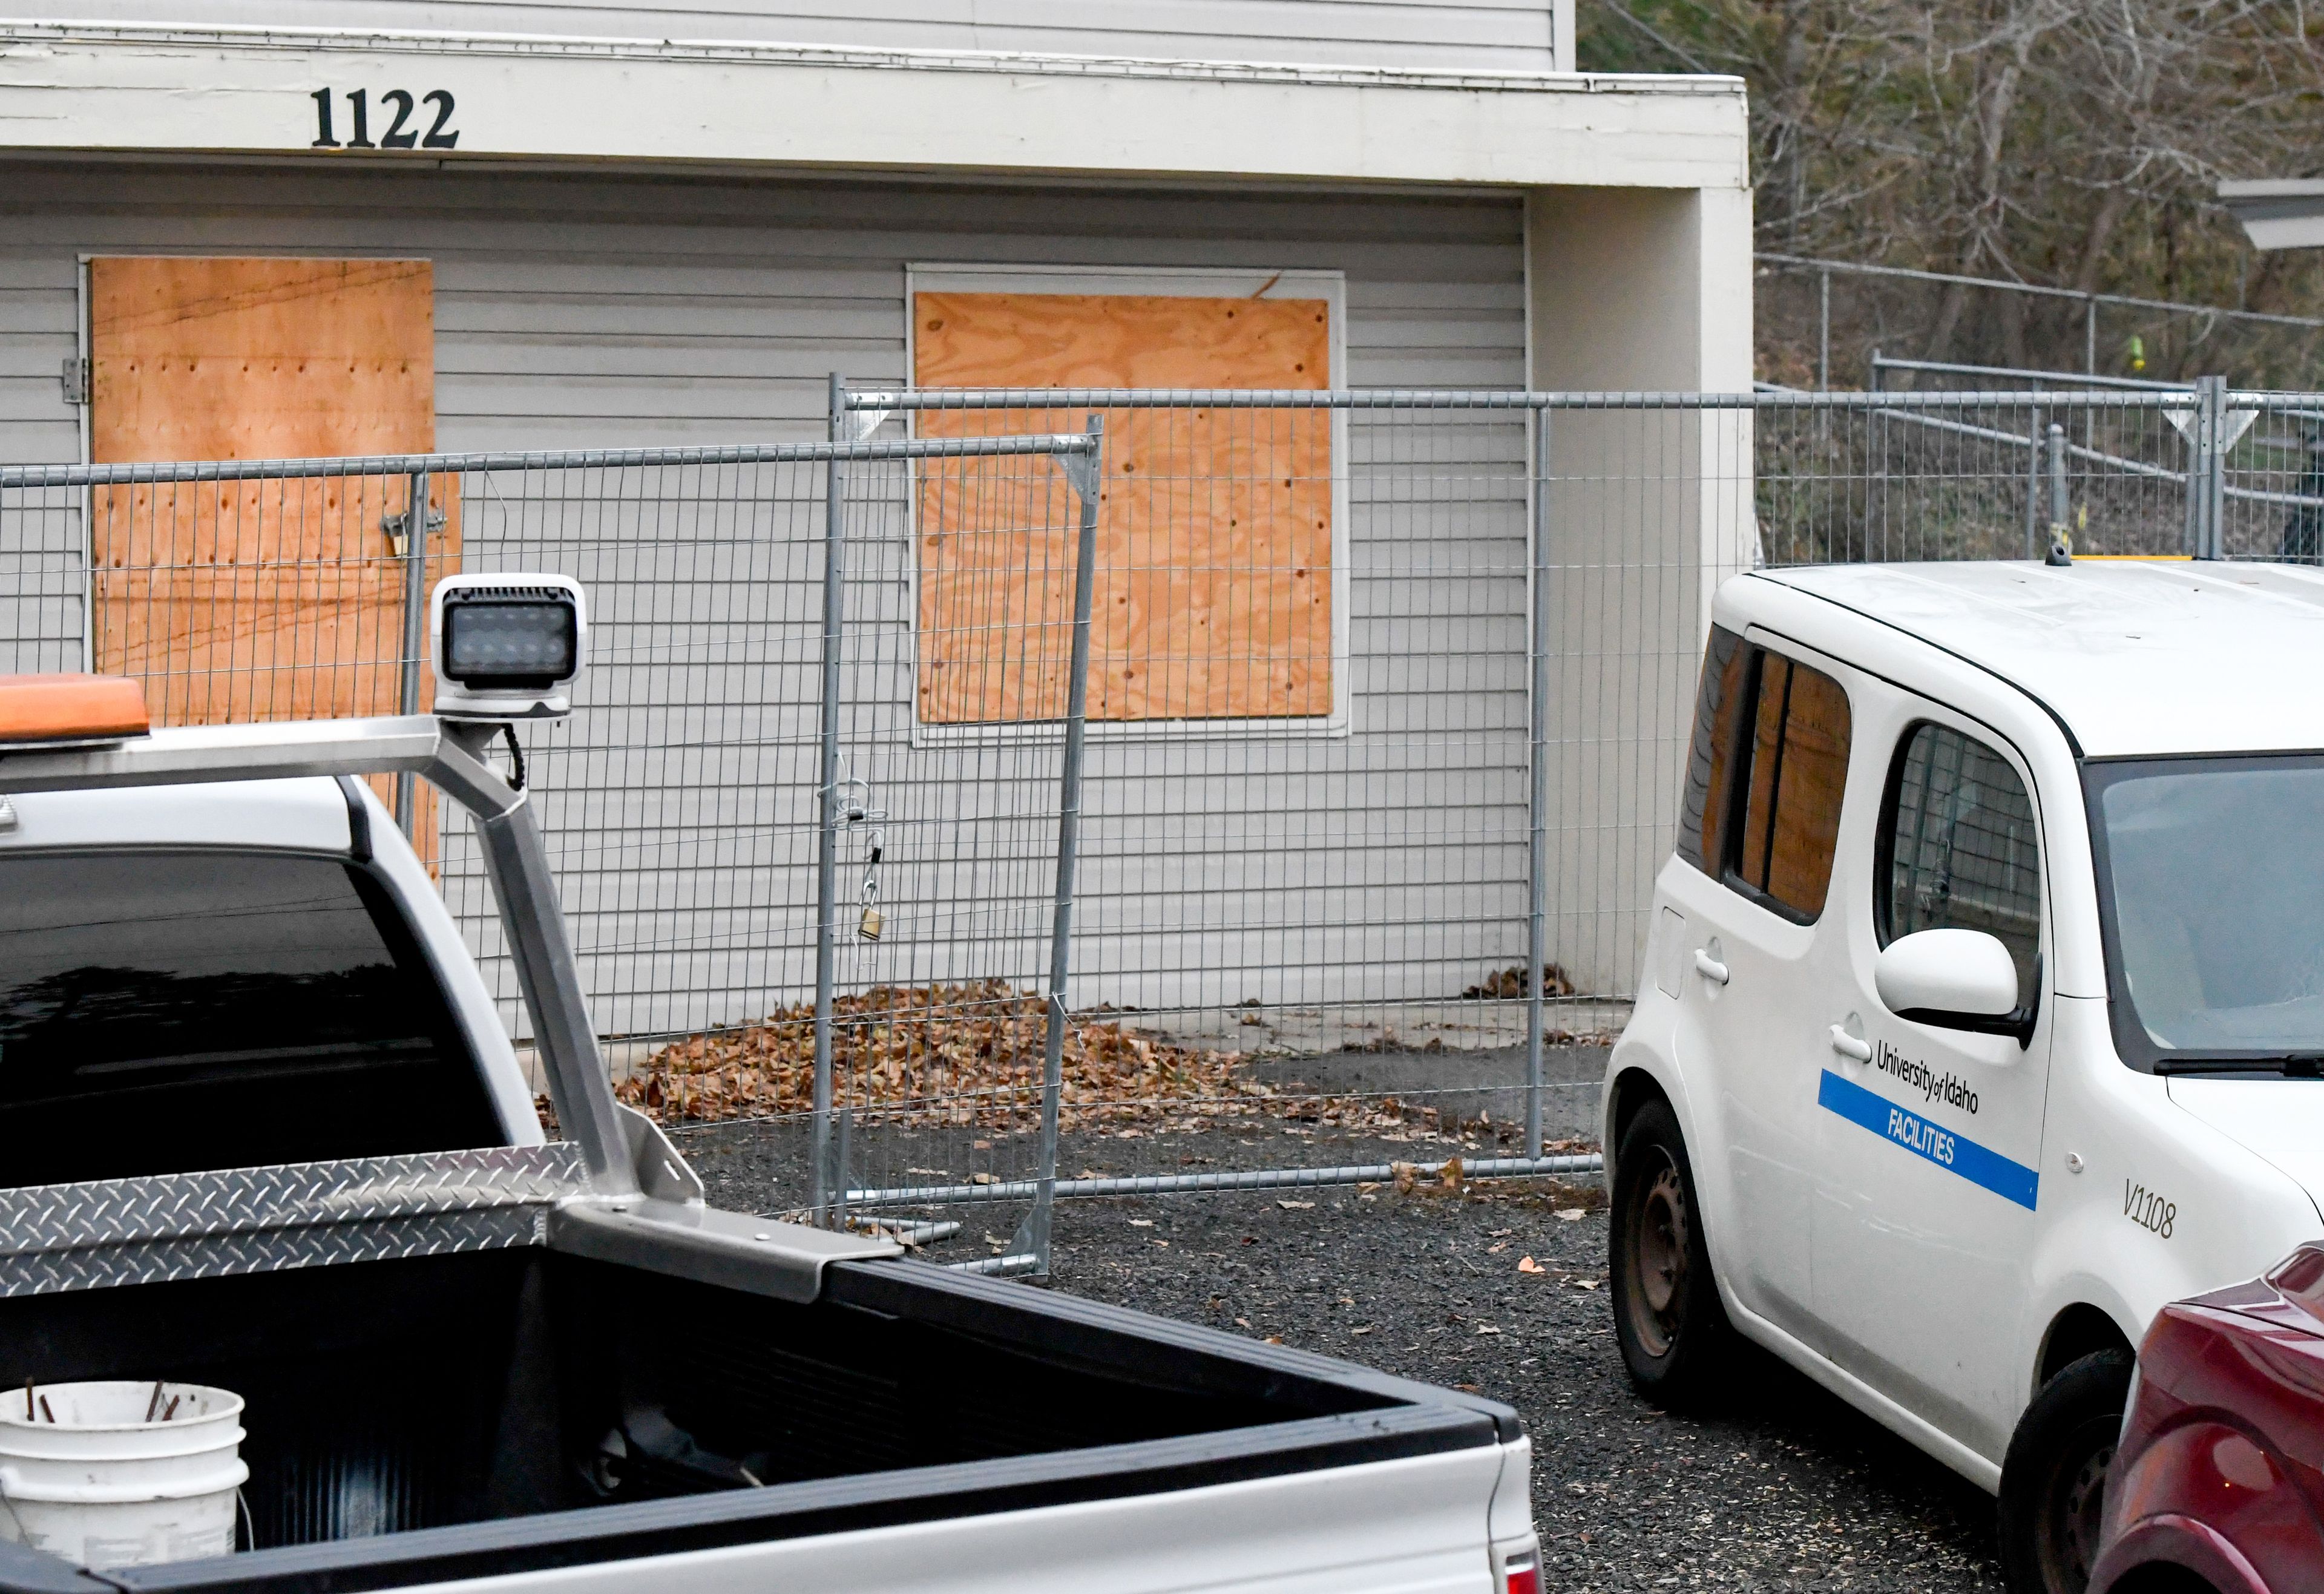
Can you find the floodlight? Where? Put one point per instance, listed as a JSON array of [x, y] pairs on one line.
[[506, 647]]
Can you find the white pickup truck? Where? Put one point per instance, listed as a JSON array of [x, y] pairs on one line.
[[1985, 1005], [264, 1130]]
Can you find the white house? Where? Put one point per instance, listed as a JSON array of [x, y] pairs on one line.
[[521, 225]]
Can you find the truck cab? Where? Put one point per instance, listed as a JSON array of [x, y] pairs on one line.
[[1983, 1004]]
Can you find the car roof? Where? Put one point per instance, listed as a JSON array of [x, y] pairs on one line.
[[2135, 657]]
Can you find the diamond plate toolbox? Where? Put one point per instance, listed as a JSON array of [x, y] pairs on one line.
[[123, 1232]]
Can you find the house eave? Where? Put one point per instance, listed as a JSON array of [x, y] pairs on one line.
[[239, 92]]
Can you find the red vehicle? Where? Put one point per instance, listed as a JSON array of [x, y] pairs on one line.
[[2218, 1479]]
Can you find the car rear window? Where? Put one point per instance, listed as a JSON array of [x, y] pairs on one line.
[[167, 1011], [1764, 775]]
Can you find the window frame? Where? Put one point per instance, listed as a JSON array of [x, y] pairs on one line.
[[1159, 281], [1735, 802]]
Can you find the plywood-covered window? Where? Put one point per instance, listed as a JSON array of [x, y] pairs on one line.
[[259, 600], [1218, 527]]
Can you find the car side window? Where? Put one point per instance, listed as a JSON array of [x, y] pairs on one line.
[[1764, 775], [1958, 849], [1724, 695]]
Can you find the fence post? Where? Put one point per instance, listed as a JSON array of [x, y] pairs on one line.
[[1537, 787], [2090, 336], [1823, 336], [2206, 476], [415, 635], [2216, 487], [827, 1176], [2033, 547], [1876, 491], [1085, 474], [2058, 498]]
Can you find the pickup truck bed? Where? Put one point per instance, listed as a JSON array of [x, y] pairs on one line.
[[454, 1416]]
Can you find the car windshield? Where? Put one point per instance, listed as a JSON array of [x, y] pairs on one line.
[[2211, 874]]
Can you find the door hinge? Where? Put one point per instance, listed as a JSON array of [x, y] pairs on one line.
[[76, 380]]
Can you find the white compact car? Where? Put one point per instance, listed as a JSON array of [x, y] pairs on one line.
[[1983, 1012]]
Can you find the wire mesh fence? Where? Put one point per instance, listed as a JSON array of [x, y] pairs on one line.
[[1823, 322], [1351, 800]]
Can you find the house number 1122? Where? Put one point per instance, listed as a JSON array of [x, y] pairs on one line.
[[401, 134]]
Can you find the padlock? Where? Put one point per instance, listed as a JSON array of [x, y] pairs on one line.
[[872, 922]]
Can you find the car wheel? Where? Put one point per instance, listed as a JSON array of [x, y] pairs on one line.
[[1667, 1317], [2053, 1478]]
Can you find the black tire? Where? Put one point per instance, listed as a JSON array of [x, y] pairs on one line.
[[1673, 1332], [2053, 1478]]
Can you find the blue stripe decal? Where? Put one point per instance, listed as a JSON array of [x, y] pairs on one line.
[[1956, 1154]]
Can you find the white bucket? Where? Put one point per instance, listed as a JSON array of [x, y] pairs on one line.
[[88, 1477]]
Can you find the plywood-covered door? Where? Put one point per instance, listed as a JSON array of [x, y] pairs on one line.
[[265, 600]]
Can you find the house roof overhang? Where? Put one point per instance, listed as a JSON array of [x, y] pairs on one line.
[[242, 92]]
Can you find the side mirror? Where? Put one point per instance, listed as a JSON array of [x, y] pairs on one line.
[[1953, 980]]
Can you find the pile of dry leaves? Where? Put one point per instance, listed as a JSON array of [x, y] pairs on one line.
[[958, 1054]]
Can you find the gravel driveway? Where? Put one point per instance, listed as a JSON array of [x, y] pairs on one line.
[[1783, 1488]]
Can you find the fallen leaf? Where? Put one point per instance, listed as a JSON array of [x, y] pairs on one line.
[[1587, 1284], [1466, 1388], [1527, 1265], [1163, 1243], [1274, 1340], [1498, 1233], [1365, 1330], [1571, 1214], [982, 1179], [1494, 1250], [1242, 1322], [967, 1054], [1487, 1328], [1296, 1206], [1141, 1223]]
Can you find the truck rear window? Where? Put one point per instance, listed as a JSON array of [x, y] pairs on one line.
[[167, 1011]]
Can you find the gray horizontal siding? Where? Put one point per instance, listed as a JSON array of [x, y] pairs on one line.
[[1462, 35], [577, 313]]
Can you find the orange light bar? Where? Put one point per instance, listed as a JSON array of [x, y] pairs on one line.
[[49, 709]]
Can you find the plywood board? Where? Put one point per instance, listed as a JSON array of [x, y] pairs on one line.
[[242, 601], [1213, 598]]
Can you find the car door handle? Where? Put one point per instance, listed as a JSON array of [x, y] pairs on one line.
[[1710, 967], [1848, 1045]]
